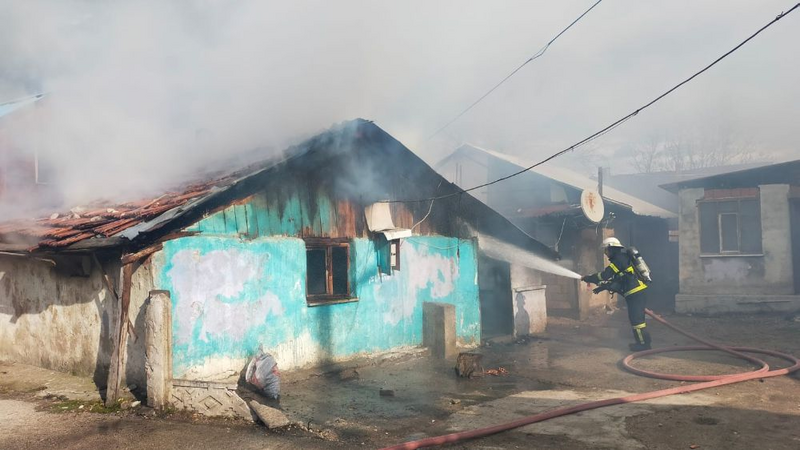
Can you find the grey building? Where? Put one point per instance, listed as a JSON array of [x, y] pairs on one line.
[[739, 240]]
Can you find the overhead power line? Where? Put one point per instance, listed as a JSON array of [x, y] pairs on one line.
[[535, 56], [614, 124]]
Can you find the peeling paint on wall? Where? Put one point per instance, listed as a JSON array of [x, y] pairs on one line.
[[230, 295]]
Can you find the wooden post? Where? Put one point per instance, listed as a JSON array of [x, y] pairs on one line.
[[117, 367]]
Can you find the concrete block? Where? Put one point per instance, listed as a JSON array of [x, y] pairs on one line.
[[439, 329], [271, 417], [208, 398]]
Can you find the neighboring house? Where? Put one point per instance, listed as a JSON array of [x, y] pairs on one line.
[[647, 186], [299, 255], [26, 180], [740, 240], [545, 202]]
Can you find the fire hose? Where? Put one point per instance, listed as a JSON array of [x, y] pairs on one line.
[[704, 382]]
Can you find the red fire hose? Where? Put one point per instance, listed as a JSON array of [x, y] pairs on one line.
[[705, 382]]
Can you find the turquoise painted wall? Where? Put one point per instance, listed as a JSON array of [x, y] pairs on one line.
[[231, 294]]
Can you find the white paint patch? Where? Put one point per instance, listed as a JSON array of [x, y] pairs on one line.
[[215, 369], [205, 286], [438, 272]]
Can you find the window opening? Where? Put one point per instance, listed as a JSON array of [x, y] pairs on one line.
[[327, 271]]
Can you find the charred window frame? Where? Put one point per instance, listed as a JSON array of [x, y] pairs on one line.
[[730, 226], [328, 272]]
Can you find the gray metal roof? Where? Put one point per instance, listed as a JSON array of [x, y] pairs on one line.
[[578, 181]]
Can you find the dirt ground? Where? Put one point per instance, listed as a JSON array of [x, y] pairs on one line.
[[572, 363]]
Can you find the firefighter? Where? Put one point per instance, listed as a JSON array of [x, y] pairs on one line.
[[620, 277]]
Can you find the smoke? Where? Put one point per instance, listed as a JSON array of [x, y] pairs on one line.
[[142, 95]]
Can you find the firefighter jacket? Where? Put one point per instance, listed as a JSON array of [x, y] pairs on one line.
[[619, 272]]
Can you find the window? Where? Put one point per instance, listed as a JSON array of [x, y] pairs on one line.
[[327, 271], [730, 226]]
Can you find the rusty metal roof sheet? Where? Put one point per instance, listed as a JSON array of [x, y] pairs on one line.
[[107, 219]]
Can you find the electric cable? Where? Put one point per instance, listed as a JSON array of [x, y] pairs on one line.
[[513, 72], [611, 126]]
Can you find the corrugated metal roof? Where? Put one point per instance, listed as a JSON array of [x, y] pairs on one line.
[[578, 181]]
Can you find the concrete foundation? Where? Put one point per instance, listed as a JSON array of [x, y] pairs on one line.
[[158, 349], [439, 329]]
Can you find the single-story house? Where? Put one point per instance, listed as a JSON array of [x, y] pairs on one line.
[[740, 240], [545, 202], [302, 255]]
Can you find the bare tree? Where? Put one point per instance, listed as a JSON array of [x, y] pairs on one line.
[[661, 154]]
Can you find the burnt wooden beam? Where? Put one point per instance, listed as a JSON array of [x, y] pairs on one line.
[[140, 255], [117, 367]]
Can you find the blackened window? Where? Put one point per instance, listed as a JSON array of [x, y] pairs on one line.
[[317, 271], [327, 271], [730, 226]]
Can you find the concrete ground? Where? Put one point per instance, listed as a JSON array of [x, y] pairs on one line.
[[572, 363]]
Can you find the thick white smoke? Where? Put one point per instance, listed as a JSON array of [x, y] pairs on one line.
[[142, 94]]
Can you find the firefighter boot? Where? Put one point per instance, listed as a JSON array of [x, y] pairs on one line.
[[642, 338]]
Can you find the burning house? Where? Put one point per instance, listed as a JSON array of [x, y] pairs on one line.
[[301, 255], [545, 202]]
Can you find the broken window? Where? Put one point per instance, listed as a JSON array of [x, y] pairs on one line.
[[730, 226], [327, 271]]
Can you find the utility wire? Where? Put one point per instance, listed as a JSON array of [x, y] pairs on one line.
[[613, 124], [538, 54]]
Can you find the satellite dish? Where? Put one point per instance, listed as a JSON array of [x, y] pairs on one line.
[[592, 205]]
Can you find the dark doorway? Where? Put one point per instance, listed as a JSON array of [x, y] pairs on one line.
[[497, 309]]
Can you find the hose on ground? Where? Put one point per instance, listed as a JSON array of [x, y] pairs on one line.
[[704, 382]]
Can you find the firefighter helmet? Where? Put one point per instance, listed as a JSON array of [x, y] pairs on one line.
[[611, 242]]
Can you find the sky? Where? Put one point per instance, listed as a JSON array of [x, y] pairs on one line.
[[141, 94]]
